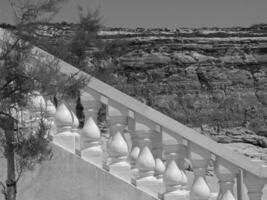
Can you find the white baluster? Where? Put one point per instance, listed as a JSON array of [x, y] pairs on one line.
[[146, 163], [141, 131], [134, 155], [139, 140], [133, 159], [117, 117], [200, 159], [50, 115], [228, 195], [90, 100], [159, 171], [170, 152], [146, 133], [254, 186], [226, 174], [63, 117], [90, 134], [64, 137], [118, 157], [160, 168], [91, 143], [181, 155], [175, 178], [146, 168], [117, 120], [117, 147], [75, 130], [240, 185]]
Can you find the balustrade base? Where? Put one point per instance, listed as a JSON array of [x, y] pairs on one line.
[[213, 196], [121, 169], [149, 184], [134, 173], [176, 195], [161, 185], [77, 142], [93, 155], [65, 140]]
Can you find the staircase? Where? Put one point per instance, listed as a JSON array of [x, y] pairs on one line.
[[143, 155]]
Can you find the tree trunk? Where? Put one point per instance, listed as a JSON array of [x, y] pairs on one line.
[[10, 158]]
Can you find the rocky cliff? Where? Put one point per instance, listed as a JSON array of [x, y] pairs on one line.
[[214, 76], [220, 81]]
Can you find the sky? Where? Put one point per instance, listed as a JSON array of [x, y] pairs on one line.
[[163, 13]]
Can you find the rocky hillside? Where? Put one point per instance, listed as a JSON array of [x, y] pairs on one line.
[[199, 77], [213, 76]]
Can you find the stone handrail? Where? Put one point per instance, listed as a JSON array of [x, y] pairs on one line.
[[176, 129], [228, 164], [145, 127]]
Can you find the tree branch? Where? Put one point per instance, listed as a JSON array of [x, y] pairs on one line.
[[10, 93], [7, 83], [19, 172], [8, 115], [10, 49]]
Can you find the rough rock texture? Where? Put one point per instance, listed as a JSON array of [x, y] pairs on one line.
[[217, 81], [233, 135], [215, 76], [249, 150]]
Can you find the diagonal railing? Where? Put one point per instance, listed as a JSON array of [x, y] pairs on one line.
[[142, 119], [137, 151]]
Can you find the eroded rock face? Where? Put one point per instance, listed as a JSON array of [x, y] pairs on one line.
[[233, 135], [197, 76], [220, 82], [249, 150]]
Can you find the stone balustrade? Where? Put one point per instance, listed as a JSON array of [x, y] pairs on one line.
[[142, 160], [137, 154]]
